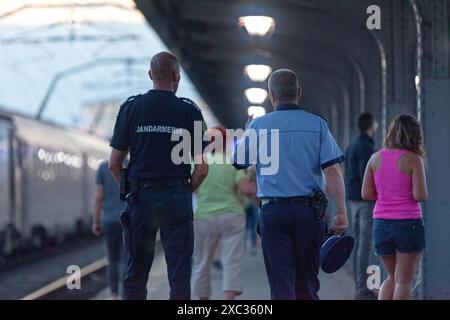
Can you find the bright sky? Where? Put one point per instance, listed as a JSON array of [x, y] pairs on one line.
[[49, 38]]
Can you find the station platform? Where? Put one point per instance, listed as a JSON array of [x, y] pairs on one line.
[[336, 286]]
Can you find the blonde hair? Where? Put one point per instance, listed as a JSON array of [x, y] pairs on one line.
[[405, 132]]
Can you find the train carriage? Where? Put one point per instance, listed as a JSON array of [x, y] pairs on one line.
[[47, 181]]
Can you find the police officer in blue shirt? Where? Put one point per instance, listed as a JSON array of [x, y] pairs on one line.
[[160, 196], [300, 148]]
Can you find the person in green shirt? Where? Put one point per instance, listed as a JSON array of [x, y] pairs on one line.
[[219, 218]]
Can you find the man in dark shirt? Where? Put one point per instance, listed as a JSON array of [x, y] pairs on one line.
[[146, 125], [107, 200], [360, 212]]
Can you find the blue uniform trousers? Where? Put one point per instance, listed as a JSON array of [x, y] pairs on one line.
[[291, 236], [169, 209], [113, 238]]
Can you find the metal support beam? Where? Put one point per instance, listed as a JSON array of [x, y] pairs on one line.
[[419, 56], [436, 264], [440, 31], [76, 70]]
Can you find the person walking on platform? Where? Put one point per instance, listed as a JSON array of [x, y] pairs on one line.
[[107, 200], [220, 219], [158, 184], [360, 212], [395, 179], [291, 150]]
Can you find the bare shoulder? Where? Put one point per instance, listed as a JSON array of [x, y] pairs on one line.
[[409, 162], [375, 161], [411, 159], [415, 160], [375, 156]]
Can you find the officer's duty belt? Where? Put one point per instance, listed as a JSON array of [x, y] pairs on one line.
[[301, 199], [149, 183]]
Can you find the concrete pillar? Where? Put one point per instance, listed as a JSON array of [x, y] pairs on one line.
[[436, 122]]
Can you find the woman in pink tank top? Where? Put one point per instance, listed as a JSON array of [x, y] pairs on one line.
[[395, 179]]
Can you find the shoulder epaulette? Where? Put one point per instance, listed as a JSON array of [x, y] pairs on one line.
[[187, 100], [132, 97]]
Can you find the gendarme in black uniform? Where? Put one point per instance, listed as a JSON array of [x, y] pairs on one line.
[[144, 126]]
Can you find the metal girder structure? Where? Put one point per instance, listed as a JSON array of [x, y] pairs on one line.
[[418, 20], [327, 40], [96, 34], [221, 37], [441, 54], [30, 37], [81, 38], [435, 114], [388, 63], [203, 26], [57, 5], [338, 76], [78, 69]]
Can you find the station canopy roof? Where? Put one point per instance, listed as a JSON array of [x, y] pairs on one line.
[[90, 52]]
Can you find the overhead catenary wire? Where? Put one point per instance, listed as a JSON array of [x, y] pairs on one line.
[[50, 48]]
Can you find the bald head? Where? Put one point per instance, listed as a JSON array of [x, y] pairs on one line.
[[164, 69], [284, 87]]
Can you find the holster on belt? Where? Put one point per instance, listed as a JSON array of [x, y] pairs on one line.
[[319, 202]]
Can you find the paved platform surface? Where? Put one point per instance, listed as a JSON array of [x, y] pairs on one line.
[[336, 286]]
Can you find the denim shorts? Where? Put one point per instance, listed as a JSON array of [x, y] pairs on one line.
[[404, 236]]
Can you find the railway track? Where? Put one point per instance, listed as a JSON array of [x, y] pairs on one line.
[[47, 278], [92, 280]]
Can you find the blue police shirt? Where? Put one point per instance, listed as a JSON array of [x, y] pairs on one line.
[[306, 147], [144, 126]]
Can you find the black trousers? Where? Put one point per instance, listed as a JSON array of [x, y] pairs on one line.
[[291, 237], [113, 238], [168, 209]]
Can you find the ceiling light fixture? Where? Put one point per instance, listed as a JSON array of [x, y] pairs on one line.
[[257, 72], [256, 111], [256, 95], [257, 25]]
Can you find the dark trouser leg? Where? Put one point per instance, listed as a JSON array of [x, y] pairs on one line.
[[364, 249], [254, 222], [178, 244], [177, 236], [277, 236], [113, 239], [354, 218], [248, 224], [139, 232], [309, 235]]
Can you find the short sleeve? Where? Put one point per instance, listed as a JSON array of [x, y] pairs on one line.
[[100, 179], [239, 175], [330, 153], [244, 152], [121, 135]]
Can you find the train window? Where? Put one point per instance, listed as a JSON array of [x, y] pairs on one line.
[[5, 174]]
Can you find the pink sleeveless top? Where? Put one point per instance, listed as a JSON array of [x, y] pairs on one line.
[[394, 188]]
